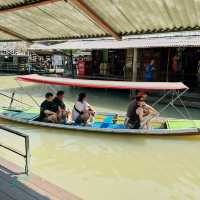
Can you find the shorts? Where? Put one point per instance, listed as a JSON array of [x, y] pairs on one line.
[[79, 120], [133, 125], [46, 119]]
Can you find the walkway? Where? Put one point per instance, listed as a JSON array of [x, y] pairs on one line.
[[14, 185]]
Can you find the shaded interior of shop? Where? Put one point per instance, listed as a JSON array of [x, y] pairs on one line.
[[12, 63], [170, 64], [47, 61]]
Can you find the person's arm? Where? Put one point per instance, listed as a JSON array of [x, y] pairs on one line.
[[48, 112], [153, 110], [140, 113], [88, 106], [63, 106], [126, 120]]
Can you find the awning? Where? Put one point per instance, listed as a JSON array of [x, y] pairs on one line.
[[37, 46], [171, 39], [103, 84]]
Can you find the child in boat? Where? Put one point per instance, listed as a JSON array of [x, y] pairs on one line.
[[64, 114], [82, 112], [146, 113], [48, 110]]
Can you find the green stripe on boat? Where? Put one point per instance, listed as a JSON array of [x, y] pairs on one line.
[[180, 124]]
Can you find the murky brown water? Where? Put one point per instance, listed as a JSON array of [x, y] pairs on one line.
[[111, 167]]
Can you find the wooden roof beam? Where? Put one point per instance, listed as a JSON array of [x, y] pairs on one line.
[[27, 5], [14, 34], [91, 14]]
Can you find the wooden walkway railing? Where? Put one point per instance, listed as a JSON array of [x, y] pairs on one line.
[[25, 155]]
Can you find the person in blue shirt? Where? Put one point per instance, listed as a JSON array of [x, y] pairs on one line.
[[148, 77]]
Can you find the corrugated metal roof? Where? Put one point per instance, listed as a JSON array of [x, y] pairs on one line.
[[8, 3], [184, 39], [6, 37], [131, 16], [62, 19]]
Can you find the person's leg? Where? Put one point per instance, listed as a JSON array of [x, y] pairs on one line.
[[62, 118], [69, 116], [59, 117], [148, 119], [92, 115], [144, 124], [52, 118], [148, 124], [85, 117], [78, 120]]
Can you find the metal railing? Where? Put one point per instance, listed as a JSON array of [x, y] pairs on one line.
[[25, 155]]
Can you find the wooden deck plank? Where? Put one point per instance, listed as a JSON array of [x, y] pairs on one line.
[[39, 195], [4, 196], [41, 191], [13, 189], [29, 188], [20, 186]]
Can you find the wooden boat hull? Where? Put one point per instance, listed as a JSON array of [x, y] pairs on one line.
[[5, 114]]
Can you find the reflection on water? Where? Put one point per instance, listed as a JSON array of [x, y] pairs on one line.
[[115, 167]]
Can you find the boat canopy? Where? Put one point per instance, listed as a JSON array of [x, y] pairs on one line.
[[103, 83]]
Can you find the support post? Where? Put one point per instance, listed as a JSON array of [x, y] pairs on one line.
[[12, 99], [168, 60], [27, 166], [134, 67], [71, 64], [135, 60]]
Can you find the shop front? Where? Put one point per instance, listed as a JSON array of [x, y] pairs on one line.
[[171, 64], [113, 64], [46, 62]]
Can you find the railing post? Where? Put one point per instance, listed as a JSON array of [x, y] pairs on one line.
[[25, 155], [27, 149]]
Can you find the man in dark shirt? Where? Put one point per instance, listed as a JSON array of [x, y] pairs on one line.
[[58, 100], [64, 115], [48, 110]]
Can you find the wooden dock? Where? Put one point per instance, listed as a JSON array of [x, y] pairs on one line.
[[14, 185]]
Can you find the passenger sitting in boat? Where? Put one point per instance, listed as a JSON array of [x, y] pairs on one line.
[[82, 112], [146, 113], [132, 120], [64, 115], [48, 109]]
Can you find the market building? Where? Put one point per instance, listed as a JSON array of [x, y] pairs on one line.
[[176, 57], [118, 20]]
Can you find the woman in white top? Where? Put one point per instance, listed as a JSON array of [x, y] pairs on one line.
[[82, 110]]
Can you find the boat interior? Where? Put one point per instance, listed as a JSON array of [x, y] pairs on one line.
[[104, 120]]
